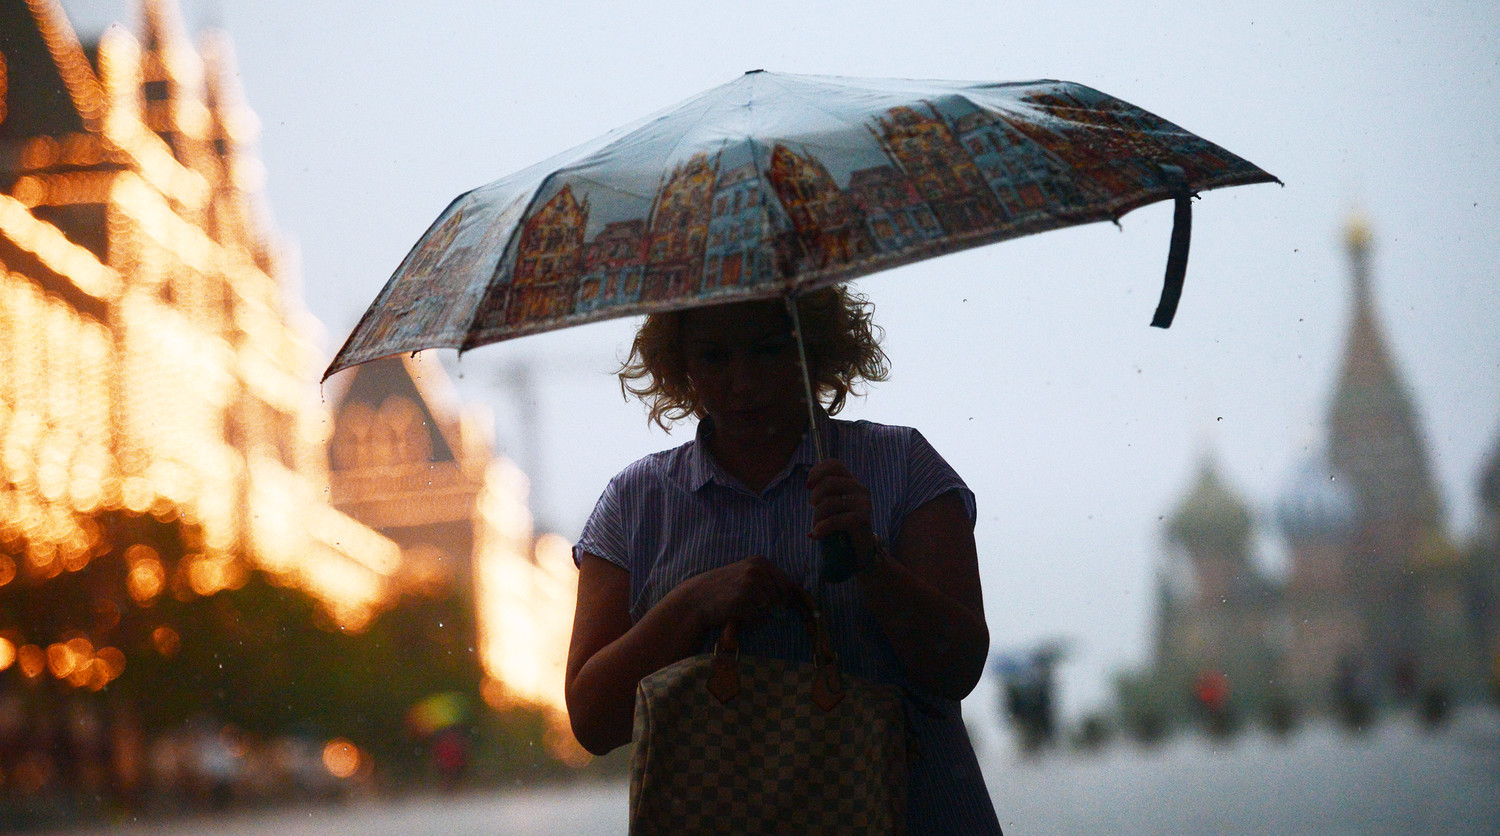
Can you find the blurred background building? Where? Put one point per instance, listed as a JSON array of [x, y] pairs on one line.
[[1377, 606], [187, 564]]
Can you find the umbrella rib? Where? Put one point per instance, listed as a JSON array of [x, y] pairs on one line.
[[814, 104], [708, 105], [500, 265], [505, 254]]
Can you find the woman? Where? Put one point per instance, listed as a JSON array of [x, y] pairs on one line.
[[726, 527]]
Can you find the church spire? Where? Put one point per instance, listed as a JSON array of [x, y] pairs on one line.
[[1357, 241], [1374, 433]]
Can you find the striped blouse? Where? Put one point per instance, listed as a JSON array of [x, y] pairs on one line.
[[676, 513]]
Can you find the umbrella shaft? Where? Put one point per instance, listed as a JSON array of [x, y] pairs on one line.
[[807, 388], [837, 549]]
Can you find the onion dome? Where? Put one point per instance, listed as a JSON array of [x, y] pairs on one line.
[[1212, 517], [1317, 504]]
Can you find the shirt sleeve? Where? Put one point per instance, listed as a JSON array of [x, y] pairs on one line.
[[604, 533], [929, 476]]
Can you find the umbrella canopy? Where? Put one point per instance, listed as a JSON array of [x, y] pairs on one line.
[[775, 184]]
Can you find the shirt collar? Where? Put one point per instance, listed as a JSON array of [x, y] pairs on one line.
[[702, 469]]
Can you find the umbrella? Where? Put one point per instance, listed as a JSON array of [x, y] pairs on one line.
[[776, 184]]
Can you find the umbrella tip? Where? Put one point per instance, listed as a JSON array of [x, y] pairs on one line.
[[753, 72]]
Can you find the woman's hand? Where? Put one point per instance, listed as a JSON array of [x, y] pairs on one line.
[[744, 591], [840, 503], [609, 655]]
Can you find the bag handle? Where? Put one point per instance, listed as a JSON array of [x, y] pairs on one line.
[[828, 683]]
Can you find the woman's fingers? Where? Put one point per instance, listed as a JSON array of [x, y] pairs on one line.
[[835, 491], [830, 476], [840, 503], [743, 590]]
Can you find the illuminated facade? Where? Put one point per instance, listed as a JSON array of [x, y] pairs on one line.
[[179, 511], [408, 461], [158, 421]]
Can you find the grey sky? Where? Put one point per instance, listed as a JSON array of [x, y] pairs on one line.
[[1029, 364]]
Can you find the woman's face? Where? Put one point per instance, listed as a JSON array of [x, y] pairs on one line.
[[742, 361]]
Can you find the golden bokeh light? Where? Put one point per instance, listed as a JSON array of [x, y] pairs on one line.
[[209, 574], [112, 660], [85, 675], [145, 580], [166, 641], [61, 660], [80, 647], [7, 653], [341, 758], [33, 660]]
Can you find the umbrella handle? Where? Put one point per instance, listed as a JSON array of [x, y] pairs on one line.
[[837, 549], [1177, 252]]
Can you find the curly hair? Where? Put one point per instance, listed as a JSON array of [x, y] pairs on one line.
[[839, 333]]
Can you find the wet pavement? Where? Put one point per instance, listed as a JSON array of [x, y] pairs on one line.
[[1394, 779]]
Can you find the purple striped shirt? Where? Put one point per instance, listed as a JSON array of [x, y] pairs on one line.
[[675, 514]]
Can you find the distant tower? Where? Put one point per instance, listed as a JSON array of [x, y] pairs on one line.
[[1374, 437], [1222, 620], [1212, 526], [1316, 514]]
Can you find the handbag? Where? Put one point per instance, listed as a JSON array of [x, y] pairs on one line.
[[726, 743]]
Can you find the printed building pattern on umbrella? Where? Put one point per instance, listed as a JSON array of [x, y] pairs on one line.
[[896, 215], [549, 259], [741, 246], [614, 264], [678, 226], [940, 167], [827, 227]]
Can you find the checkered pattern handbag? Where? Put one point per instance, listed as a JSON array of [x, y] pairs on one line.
[[731, 744]]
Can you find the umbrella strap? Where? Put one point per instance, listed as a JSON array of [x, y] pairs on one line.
[[1177, 253], [807, 389]]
